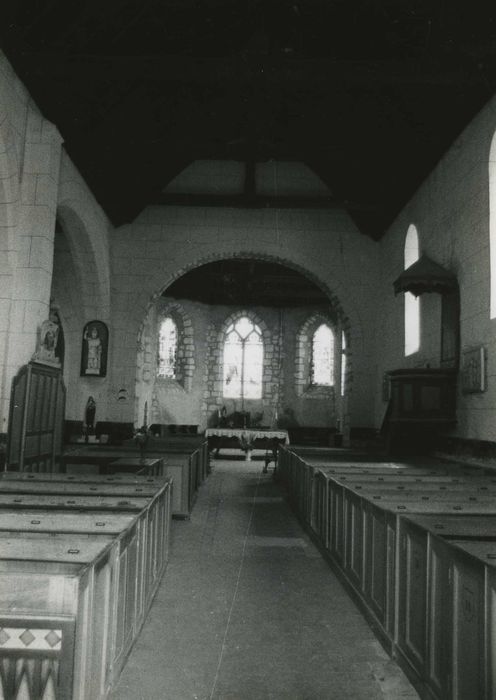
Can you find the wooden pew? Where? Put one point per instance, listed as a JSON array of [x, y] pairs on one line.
[[135, 542]]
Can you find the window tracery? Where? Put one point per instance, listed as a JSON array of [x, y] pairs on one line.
[[243, 360]]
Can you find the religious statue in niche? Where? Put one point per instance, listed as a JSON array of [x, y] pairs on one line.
[[94, 350], [48, 334]]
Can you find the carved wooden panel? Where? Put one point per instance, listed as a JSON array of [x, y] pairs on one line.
[[36, 418], [36, 658]]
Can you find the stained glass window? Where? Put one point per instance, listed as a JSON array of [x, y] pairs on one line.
[[243, 360], [167, 348], [323, 356]]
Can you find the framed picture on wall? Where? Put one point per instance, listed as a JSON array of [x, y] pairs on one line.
[[94, 349], [474, 371]]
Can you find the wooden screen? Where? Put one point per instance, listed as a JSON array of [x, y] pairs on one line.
[[34, 441]]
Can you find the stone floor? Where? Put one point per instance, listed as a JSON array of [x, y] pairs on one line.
[[249, 610]]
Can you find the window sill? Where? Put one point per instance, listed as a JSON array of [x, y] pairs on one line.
[[170, 382], [316, 391]]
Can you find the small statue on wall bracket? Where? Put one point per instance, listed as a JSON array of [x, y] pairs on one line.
[[47, 342], [94, 350]]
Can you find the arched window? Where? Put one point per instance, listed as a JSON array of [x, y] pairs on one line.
[[167, 348], [492, 227], [412, 303], [243, 360], [322, 364]]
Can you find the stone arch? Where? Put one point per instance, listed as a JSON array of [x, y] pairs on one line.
[[91, 273], [353, 332], [252, 255], [80, 293]]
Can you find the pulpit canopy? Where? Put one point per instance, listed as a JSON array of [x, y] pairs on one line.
[[425, 275]]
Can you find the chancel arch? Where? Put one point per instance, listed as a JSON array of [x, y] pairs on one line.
[[208, 302], [173, 243]]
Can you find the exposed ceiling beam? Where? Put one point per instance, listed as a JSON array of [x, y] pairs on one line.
[[254, 201]]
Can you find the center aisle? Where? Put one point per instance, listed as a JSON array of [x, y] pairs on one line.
[[249, 610]]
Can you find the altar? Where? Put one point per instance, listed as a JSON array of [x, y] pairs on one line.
[[247, 439]]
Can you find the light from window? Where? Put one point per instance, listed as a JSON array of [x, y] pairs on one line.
[[243, 360], [323, 356], [412, 303], [167, 348], [343, 362], [492, 228]]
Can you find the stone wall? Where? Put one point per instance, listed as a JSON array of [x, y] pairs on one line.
[[195, 395], [165, 397]]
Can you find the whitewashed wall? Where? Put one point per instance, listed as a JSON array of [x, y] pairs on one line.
[[451, 213], [38, 183], [165, 242], [30, 149]]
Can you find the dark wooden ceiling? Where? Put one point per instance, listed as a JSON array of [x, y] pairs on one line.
[[368, 93], [247, 283]]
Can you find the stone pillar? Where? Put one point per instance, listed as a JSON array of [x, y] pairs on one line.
[[9, 195], [33, 245]]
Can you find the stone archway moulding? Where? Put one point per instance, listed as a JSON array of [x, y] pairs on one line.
[[92, 270], [251, 255], [352, 330]]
